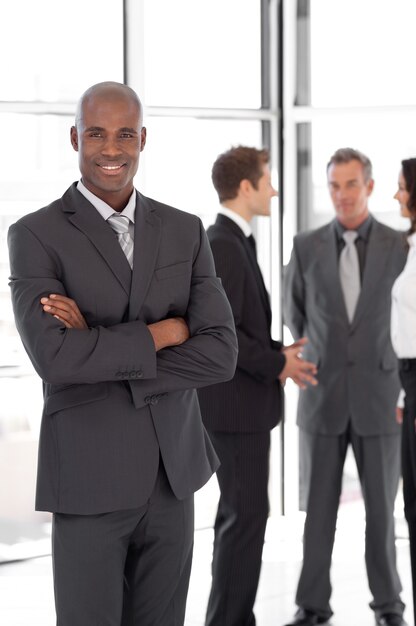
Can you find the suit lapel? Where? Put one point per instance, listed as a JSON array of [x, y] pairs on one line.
[[147, 233], [259, 278], [328, 269], [87, 219], [223, 220]]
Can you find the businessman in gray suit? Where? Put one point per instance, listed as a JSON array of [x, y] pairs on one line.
[[337, 292], [118, 306]]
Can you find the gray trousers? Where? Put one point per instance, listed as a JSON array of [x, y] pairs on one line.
[[378, 464], [126, 568]]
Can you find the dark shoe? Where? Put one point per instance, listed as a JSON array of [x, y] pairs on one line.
[[303, 617], [390, 619]]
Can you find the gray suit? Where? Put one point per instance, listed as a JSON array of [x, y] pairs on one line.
[[353, 403], [113, 406]]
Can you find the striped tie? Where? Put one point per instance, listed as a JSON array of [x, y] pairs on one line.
[[120, 225]]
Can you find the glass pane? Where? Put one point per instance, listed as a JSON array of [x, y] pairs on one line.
[[385, 139], [179, 155], [58, 49], [47, 165], [360, 52], [203, 54]]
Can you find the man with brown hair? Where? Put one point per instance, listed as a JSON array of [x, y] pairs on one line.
[[240, 414]]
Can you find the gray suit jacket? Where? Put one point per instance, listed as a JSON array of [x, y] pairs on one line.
[[111, 402], [357, 375]]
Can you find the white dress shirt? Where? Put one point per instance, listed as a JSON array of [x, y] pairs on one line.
[[237, 219], [106, 211]]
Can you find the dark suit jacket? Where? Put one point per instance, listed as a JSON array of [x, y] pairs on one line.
[[111, 402], [251, 401], [357, 375]]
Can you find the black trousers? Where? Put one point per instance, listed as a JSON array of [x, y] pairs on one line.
[[408, 380], [239, 526], [125, 568]]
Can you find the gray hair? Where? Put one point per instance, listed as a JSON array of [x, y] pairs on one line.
[[345, 155]]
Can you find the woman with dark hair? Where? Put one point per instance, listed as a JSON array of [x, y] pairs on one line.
[[403, 335]]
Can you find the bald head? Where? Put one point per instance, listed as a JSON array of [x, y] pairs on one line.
[[110, 92], [109, 136]]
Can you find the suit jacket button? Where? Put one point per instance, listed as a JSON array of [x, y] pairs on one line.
[[139, 374], [147, 399], [118, 374], [154, 400]]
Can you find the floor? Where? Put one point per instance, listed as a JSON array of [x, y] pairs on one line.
[[26, 596]]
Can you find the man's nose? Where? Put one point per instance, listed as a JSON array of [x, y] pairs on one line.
[[111, 146]]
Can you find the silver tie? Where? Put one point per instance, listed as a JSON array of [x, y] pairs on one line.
[[349, 272], [120, 225]]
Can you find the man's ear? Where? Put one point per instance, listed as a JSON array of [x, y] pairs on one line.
[[143, 135], [245, 186], [370, 186], [74, 138]]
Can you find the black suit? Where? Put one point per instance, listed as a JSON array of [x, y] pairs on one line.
[[113, 406], [239, 415]]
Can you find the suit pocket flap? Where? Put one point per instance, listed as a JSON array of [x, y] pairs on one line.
[[73, 396], [173, 270]]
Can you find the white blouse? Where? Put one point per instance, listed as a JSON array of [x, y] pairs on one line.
[[403, 310]]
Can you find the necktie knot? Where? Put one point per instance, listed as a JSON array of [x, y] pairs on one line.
[[349, 237], [119, 223]]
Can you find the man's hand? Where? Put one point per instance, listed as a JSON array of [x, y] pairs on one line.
[[170, 332], [399, 414], [300, 371], [65, 310], [297, 344]]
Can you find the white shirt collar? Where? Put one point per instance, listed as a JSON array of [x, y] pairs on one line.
[[104, 209], [237, 219]]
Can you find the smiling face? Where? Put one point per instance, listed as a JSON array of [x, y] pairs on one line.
[[349, 192], [109, 137], [402, 196]]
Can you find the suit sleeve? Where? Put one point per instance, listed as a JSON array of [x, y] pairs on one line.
[[262, 360], [210, 355], [294, 295], [61, 355], [126, 350]]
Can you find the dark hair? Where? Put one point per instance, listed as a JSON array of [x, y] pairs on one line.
[[345, 155], [409, 175], [237, 164]]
